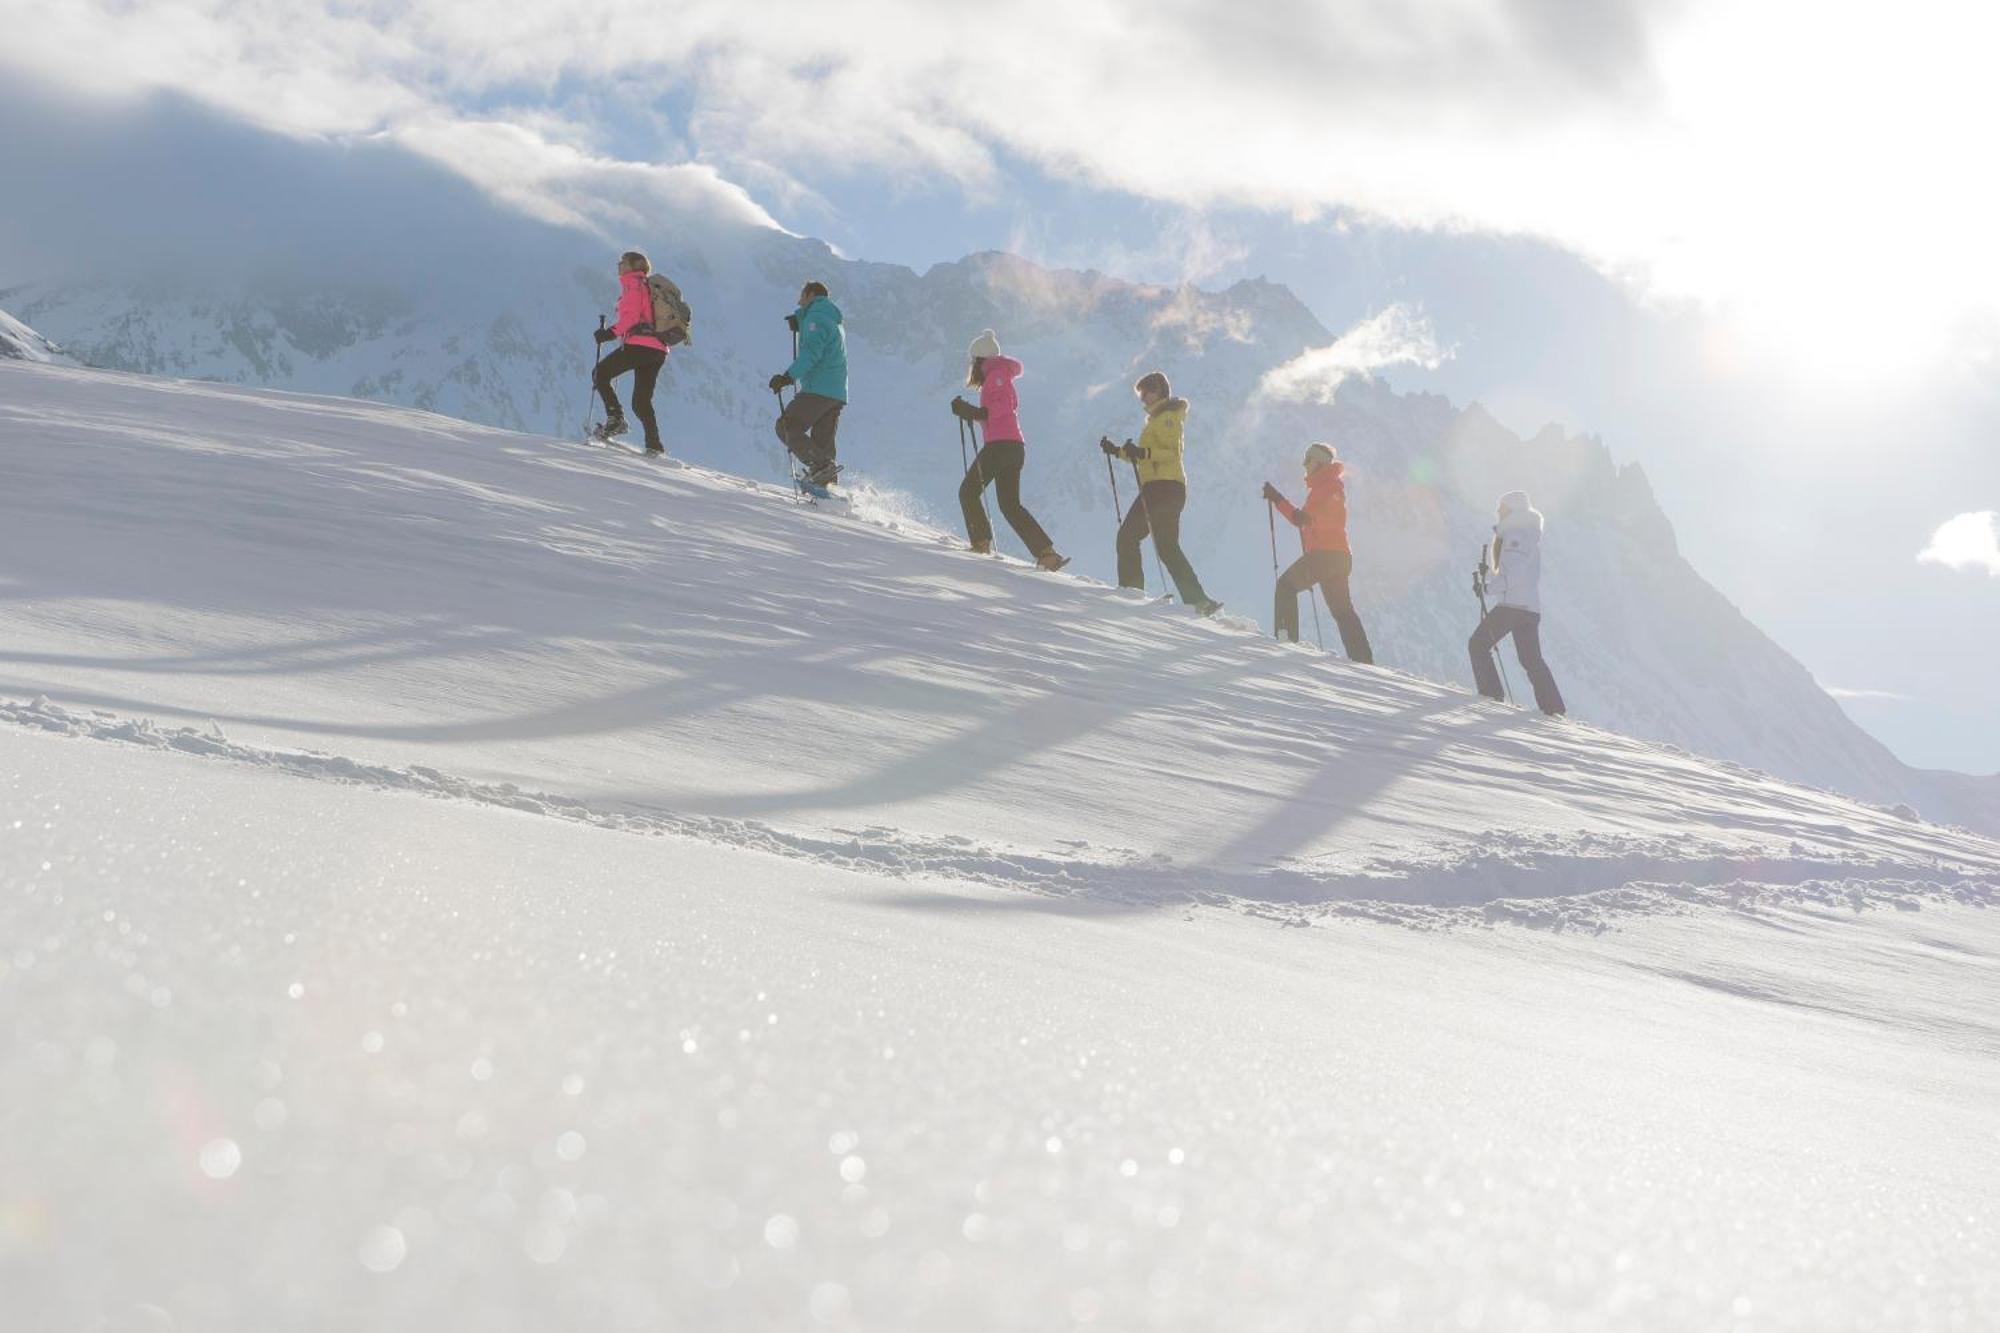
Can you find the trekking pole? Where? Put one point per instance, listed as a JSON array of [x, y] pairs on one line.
[[1158, 568], [1479, 590], [970, 461], [1313, 595], [590, 399], [979, 468], [1271, 513], [1111, 475]]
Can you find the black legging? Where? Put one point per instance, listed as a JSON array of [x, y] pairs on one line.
[[1000, 463], [1526, 627], [1158, 510], [644, 363], [1329, 570]]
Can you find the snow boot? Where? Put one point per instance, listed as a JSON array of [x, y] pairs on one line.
[[823, 475], [1208, 609], [982, 548], [1051, 560], [607, 431]]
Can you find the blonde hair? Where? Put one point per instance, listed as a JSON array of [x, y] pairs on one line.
[[635, 260]]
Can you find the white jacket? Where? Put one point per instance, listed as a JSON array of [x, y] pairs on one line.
[[1517, 578]]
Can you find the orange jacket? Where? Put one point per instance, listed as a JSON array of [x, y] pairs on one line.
[[1322, 522]]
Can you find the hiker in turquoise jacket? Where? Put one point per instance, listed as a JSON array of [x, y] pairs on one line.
[[810, 421]]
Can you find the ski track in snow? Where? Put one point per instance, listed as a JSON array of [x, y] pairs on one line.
[[1579, 883]]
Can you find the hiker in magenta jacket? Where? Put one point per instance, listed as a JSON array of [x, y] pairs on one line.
[[1327, 561], [641, 353], [1002, 457]]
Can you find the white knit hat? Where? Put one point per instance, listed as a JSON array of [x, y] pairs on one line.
[[986, 344]]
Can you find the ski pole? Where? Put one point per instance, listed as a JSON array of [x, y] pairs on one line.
[[1158, 568], [1479, 591], [1271, 513], [1111, 474], [590, 399], [1313, 594], [979, 467]]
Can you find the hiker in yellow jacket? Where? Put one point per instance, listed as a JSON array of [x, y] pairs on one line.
[[1157, 461]]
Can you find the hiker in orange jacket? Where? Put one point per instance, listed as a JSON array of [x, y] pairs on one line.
[[1327, 562]]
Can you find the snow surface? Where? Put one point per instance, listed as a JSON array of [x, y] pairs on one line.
[[453, 879]]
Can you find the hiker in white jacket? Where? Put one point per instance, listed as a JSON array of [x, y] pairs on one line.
[[1517, 584]]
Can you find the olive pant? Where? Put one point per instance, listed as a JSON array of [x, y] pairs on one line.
[[1000, 464], [1158, 511], [808, 426], [1526, 627], [1328, 571]]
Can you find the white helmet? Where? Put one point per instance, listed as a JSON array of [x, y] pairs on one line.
[[1319, 455]]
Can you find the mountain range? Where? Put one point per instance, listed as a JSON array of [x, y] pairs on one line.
[[1639, 640]]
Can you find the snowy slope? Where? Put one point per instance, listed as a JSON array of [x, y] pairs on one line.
[[1642, 643], [504, 884]]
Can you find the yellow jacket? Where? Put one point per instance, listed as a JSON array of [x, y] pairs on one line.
[[1164, 442]]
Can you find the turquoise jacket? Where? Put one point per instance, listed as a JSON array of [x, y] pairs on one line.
[[821, 365]]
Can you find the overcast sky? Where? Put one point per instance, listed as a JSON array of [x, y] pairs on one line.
[[1749, 244]]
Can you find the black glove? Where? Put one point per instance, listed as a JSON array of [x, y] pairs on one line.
[[605, 336], [792, 323], [779, 381], [1272, 493], [964, 409], [1133, 453], [1107, 446]]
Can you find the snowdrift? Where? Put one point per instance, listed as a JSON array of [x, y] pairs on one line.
[[452, 878]]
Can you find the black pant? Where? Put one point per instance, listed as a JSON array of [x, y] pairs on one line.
[[1000, 463], [1157, 510], [1328, 570], [808, 426], [1526, 627], [644, 363]]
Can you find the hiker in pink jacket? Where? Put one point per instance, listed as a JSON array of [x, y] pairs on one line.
[[641, 353], [1002, 457]]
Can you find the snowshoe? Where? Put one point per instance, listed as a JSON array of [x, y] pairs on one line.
[[1209, 609], [1051, 561], [605, 432]]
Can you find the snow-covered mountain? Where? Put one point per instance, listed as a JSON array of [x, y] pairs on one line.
[[18, 342], [501, 883], [1639, 640]]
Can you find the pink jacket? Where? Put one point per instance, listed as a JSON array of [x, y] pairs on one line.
[[635, 307], [997, 396]]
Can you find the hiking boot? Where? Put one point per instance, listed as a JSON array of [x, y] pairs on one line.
[[982, 548], [1051, 560], [610, 430], [824, 474], [1207, 607]]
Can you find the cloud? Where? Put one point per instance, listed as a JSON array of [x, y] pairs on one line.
[[1396, 336], [1968, 542], [1714, 148]]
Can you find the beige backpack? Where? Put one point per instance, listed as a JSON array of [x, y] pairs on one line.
[[673, 319]]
